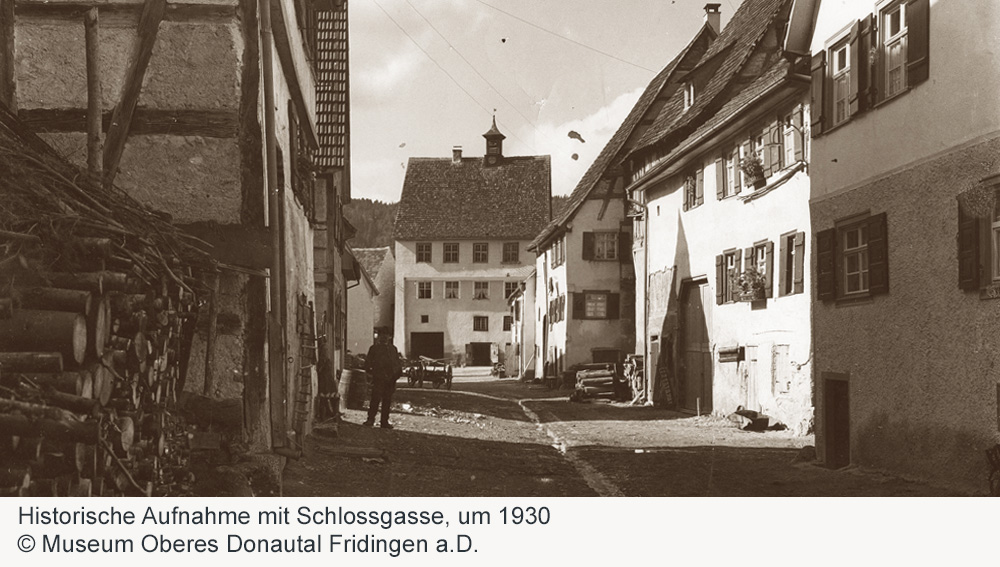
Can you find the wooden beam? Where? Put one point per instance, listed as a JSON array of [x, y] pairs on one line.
[[183, 122], [121, 120], [8, 84], [94, 99]]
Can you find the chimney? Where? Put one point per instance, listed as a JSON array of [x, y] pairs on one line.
[[713, 16], [456, 155]]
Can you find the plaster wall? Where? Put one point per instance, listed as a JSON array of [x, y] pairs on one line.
[[956, 105], [453, 317], [683, 246], [360, 317], [551, 327], [922, 359], [385, 282]]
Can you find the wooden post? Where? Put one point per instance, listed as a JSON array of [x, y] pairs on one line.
[[213, 329], [94, 99], [8, 82]]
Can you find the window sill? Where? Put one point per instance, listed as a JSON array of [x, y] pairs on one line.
[[777, 181], [990, 291], [849, 301]]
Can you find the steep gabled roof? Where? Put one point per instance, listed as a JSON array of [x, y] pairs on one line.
[[332, 87], [607, 157], [371, 259], [442, 199], [727, 56]]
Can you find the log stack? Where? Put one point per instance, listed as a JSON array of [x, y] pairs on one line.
[[600, 380], [97, 312]]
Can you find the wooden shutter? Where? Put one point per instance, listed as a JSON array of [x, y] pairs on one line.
[[736, 170], [625, 247], [800, 263], [917, 41], [720, 178], [748, 254], [579, 305], [968, 250], [738, 267], [798, 135], [766, 154], [588, 246], [720, 275], [614, 306], [857, 56], [747, 150], [769, 269], [699, 186], [775, 147], [783, 285], [878, 255], [863, 68], [826, 268], [818, 108]]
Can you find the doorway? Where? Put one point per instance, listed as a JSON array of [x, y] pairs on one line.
[[430, 345], [837, 420], [695, 348], [480, 354]]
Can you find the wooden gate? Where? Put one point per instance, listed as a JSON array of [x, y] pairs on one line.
[[695, 347]]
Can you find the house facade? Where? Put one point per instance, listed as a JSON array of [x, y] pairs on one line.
[[721, 220], [367, 308], [520, 359], [905, 156], [222, 138], [461, 236]]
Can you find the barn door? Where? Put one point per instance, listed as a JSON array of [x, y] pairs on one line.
[[696, 348]]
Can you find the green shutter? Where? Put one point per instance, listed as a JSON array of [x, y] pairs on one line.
[[818, 71], [917, 41], [826, 266], [878, 255]]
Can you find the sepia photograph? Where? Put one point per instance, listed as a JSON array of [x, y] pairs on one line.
[[496, 249]]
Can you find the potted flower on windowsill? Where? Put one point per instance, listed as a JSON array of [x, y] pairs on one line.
[[749, 285], [753, 171]]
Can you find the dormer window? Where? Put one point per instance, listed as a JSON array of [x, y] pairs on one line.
[[688, 95]]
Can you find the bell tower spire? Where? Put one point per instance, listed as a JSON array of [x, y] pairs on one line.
[[494, 144]]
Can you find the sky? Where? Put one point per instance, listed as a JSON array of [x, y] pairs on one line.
[[427, 75]]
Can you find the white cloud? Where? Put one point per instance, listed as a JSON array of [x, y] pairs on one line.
[[596, 129]]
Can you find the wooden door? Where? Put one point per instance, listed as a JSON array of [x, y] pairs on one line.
[[837, 421], [696, 348]]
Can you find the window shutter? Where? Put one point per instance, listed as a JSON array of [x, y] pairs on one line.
[[818, 107], [783, 285], [798, 135], [588, 246], [769, 269], [854, 105], [878, 255], [968, 250], [748, 254], [917, 41], [826, 266], [800, 263], [775, 147], [720, 179], [579, 305], [625, 247], [699, 187], [738, 267], [747, 150], [720, 275], [736, 170], [863, 66], [766, 138], [614, 306]]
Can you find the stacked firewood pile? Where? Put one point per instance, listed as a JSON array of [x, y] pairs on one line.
[[600, 380], [97, 313]]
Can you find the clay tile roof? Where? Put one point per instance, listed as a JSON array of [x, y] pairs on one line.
[[332, 87], [590, 179], [728, 56], [371, 259], [442, 199]]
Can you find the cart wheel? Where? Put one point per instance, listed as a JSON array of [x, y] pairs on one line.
[[449, 382]]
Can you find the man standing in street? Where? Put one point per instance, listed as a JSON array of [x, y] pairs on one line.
[[384, 366]]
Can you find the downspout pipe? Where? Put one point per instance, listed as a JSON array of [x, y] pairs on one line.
[[647, 363], [275, 338]]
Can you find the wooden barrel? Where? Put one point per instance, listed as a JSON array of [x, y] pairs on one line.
[[353, 389]]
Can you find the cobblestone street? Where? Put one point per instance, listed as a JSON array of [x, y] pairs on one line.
[[489, 437]]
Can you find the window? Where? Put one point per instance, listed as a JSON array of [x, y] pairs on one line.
[[688, 95], [727, 270], [793, 137], [481, 252], [423, 290], [792, 260], [557, 252], [509, 289], [694, 189], [595, 305], [841, 76], [508, 322], [425, 318], [423, 251], [480, 323], [481, 290], [852, 259], [728, 174], [979, 238], [510, 252], [450, 252], [894, 48], [606, 246], [451, 290]]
